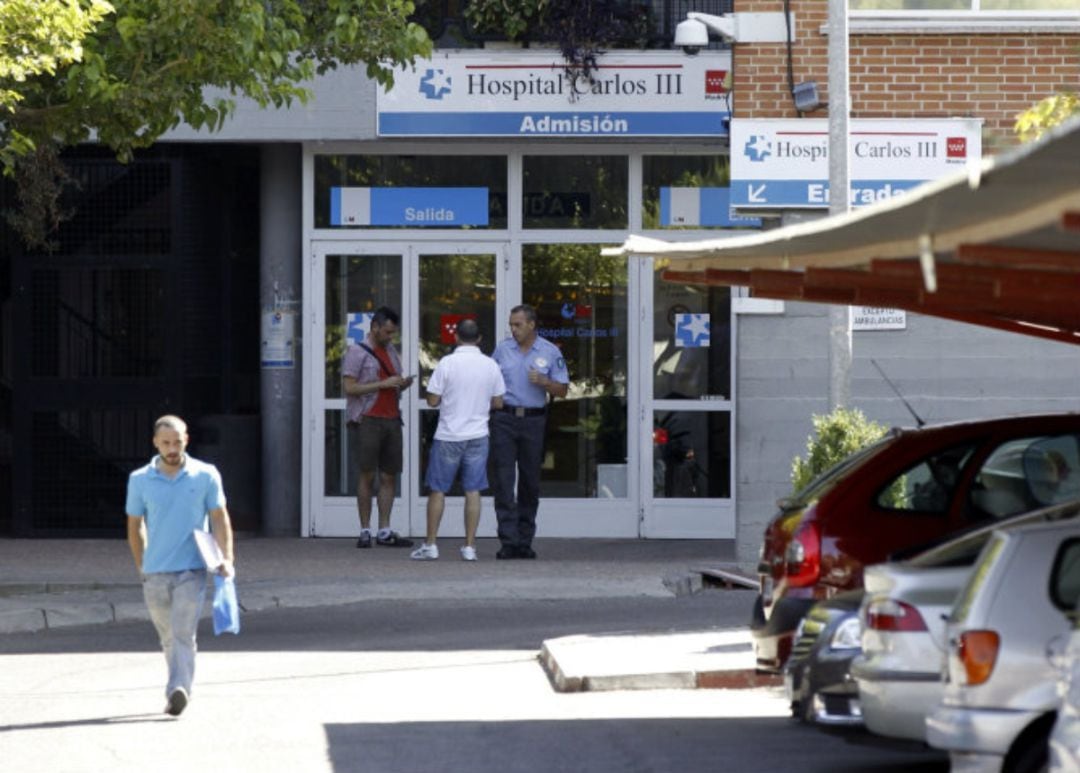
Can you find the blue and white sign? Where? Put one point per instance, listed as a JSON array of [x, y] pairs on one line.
[[357, 326], [781, 164], [531, 94], [417, 207], [692, 331], [700, 207]]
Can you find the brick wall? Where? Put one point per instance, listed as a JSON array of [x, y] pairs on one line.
[[988, 76]]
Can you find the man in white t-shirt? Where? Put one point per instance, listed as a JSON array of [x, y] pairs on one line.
[[466, 386]]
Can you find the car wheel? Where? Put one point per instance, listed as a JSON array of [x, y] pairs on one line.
[[803, 710], [1031, 752]]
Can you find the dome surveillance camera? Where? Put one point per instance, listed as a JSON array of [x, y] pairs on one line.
[[691, 36]]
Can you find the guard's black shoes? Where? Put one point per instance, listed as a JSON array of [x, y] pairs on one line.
[[506, 552]]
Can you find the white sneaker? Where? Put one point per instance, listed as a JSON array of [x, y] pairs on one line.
[[468, 553], [425, 552]]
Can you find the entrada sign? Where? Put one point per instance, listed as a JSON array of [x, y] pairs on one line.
[[533, 94], [785, 163]]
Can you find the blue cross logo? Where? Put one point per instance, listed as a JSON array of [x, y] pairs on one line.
[[692, 330], [357, 325], [757, 148], [435, 84]]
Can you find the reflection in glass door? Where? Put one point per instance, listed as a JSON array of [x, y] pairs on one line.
[[453, 286], [355, 282], [689, 382], [581, 299]]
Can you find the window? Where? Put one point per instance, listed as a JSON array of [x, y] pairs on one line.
[[1065, 578], [575, 191], [690, 192], [1027, 473], [928, 486], [580, 297], [410, 192], [962, 5]]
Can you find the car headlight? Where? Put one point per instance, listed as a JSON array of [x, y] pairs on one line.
[[847, 636]]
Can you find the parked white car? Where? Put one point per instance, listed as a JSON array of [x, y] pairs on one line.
[[1009, 622], [1065, 739], [899, 671]]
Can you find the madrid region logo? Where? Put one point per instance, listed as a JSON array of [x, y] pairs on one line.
[[757, 148], [435, 84]]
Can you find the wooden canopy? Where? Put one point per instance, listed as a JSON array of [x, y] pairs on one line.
[[995, 245]]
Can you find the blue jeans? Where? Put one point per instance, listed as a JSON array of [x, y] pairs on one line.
[[447, 457], [175, 601]]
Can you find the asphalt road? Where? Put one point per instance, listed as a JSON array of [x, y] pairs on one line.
[[399, 686]]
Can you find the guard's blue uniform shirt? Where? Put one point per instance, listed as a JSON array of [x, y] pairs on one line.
[[543, 357]]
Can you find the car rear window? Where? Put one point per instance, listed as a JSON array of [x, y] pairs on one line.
[[927, 487], [977, 579], [1027, 473]]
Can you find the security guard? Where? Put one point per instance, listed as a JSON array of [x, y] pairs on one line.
[[534, 371]]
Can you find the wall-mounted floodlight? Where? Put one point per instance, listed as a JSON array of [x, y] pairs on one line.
[[692, 35]]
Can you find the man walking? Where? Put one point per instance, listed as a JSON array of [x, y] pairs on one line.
[[167, 500], [534, 371], [466, 386], [372, 381]]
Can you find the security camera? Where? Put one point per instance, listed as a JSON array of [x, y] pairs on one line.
[[691, 36]]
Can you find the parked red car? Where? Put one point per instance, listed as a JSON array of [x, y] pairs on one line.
[[909, 489]]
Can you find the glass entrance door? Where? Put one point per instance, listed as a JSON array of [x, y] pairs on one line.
[[455, 282], [432, 287], [349, 281], [689, 386]]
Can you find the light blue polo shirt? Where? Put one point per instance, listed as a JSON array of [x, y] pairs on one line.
[[543, 356], [173, 509]]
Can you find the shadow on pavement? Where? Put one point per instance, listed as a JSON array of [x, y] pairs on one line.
[[410, 625], [746, 745], [129, 719]]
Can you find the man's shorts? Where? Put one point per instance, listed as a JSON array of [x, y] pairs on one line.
[[447, 456], [378, 443]]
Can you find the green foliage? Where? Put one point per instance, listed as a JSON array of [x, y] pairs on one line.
[[39, 36], [511, 17], [146, 67], [837, 435], [581, 29], [1046, 114]]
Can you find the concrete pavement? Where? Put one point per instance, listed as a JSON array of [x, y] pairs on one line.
[[48, 584]]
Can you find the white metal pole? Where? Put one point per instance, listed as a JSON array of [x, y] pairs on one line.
[[839, 187]]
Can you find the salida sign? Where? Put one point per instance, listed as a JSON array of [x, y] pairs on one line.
[[785, 163], [533, 94]]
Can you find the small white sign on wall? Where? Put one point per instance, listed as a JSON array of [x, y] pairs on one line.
[[877, 318], [278, 339]]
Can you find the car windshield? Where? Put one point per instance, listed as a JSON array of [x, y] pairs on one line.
[[826, 480]]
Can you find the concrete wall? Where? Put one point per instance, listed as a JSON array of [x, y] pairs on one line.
[[342, 108], [948, 371]]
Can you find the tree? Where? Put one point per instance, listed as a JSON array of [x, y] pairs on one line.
[[837, 436], [38, 37], [1046, 114], [145, 68]]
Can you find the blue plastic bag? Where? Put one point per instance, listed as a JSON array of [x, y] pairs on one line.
[[226, 607]]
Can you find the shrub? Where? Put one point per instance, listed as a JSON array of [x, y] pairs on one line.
[[837, 435]]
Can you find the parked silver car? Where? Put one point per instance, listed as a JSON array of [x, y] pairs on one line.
[[1000, 698], [1065, 739], [899, 671]]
